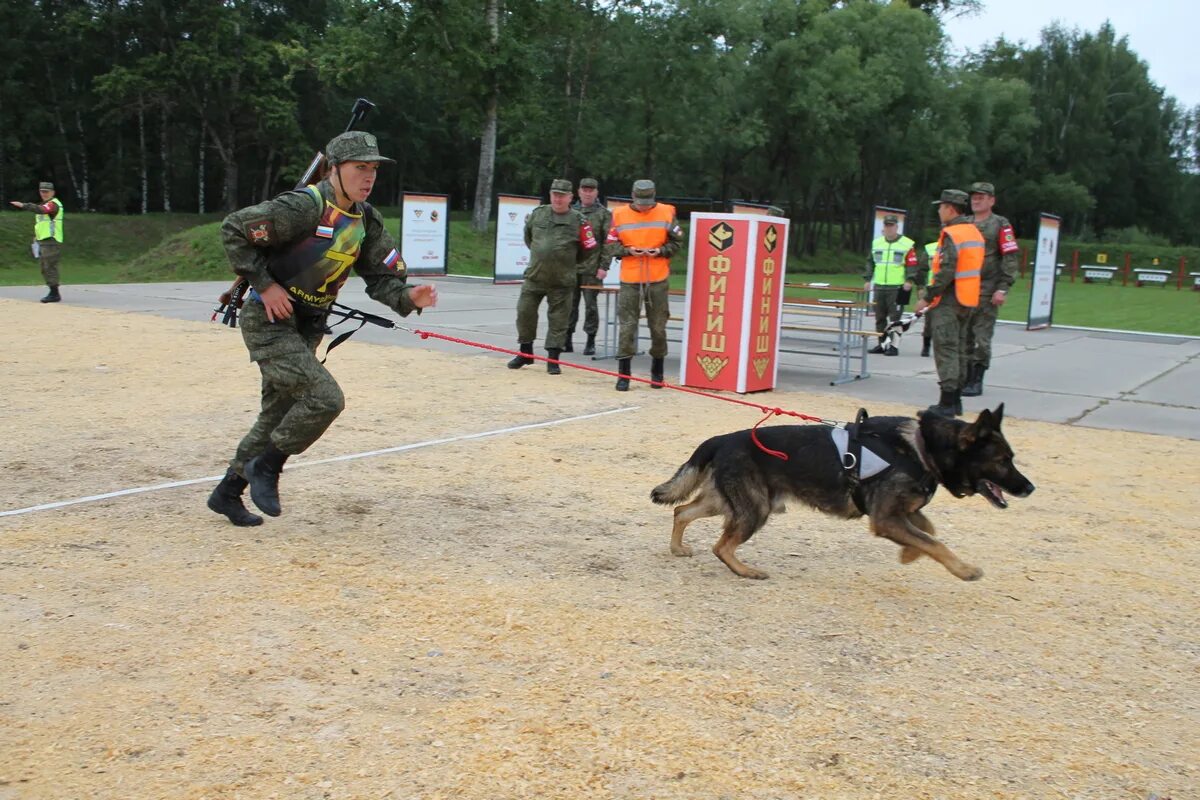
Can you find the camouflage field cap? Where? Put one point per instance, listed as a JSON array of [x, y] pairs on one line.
[[891, 219], [561, 186], [983, 187], [45, 186], [354, 146], [589, 183], [956, 196], [643, 194]]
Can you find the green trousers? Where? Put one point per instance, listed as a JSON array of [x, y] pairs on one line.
[[631, 298], [49, 254], [949, 344], [300, 399], [558, 313], [885, 307], [979, 332], [591, 318]]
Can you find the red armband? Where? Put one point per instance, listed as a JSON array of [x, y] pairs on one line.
[[612, 237], [587, 239], [910, 258], [1008, 240]]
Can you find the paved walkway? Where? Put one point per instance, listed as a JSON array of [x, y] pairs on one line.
[[1122, 381]]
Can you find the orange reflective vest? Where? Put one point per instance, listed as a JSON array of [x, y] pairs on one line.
[[969, 267], [643, 229]]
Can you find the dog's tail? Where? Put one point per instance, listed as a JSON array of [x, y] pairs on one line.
[[686, 479]]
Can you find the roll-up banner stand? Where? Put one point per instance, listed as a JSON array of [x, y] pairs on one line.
[[1041, 292], [425, 232], [511, 255], [734, 306], [880, 213], [740, 207]]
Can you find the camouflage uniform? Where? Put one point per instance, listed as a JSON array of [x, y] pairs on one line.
[[999, 274], [49, 248], [600, 218], [300, 399], [557, 244], [949, 319]]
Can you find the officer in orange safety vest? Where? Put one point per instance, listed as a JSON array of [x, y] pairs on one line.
[[644, 235], [956, 268]]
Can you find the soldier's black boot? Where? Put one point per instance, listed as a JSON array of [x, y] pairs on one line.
[[877, 349], [656, 373], [522, 361], [590, 348], [262, 472], [227, 499], [974, 384], [52, 296], [947, 406], [551, 367], [623, 368], [569, 346], [925, 347]]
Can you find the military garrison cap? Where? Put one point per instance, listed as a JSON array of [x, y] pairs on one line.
[[891, 219], [354, 146], [561, 185], [982, 187], [589, 183], [45, 186], [643, 194], [955, 196]]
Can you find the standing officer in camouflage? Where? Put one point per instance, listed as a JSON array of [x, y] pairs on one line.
[[48, 233], [954, 292], [591, 271], [559, 238], [644, 235], [999, 273], [296, 251], [892, 257]]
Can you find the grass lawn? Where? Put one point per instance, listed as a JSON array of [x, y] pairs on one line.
[[107, 248]]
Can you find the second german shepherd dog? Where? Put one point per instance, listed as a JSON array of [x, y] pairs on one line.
[[733, 477]]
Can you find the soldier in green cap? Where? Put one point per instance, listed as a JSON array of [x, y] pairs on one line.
[[48, 235], [559, 238], [1000, 265], [954, 292], [591, 272], [296, 251]]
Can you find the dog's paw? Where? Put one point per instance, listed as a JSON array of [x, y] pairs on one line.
[[681, 550], [970, 573], [909, 554]]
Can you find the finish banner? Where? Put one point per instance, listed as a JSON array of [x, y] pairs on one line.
[[734, 304], [511, 255], [1045, 263], [425, 233]]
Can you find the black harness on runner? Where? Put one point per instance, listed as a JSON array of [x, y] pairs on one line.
[[866, 457]]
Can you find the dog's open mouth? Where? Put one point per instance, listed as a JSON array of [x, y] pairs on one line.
[[992, 492]]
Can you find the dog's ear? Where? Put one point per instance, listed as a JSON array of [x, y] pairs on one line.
[[998, 415]]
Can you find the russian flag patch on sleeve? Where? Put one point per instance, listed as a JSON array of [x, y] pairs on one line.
[[390, 259], [325, 231]]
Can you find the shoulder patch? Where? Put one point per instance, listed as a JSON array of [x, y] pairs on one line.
[[260, 232], [1008, 240], [586, 237]]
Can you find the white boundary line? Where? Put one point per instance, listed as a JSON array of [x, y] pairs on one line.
[[351, 457]]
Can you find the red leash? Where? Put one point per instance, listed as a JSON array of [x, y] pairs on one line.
[[768, 411]]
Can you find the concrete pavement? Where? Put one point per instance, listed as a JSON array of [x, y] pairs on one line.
[[1100, 379]]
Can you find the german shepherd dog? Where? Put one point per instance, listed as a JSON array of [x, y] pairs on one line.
[[732, 477]]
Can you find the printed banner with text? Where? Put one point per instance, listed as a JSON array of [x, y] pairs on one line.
[[425, 233], [1045, 266], [512, 256]]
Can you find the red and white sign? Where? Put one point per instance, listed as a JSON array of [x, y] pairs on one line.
[[425, 232], [512, 256], [734, 302]]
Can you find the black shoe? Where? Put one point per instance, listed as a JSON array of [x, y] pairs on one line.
[[623, 368], [52, 296], [227, 499], [974, 384], [551, 367], [949, 405], [262, 473], [877, 349], [891, 350], [522, 361], [656, 373], [590, 348], [924, 348], [569, 347]]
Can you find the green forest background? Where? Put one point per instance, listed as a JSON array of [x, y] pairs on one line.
[[825, 108]]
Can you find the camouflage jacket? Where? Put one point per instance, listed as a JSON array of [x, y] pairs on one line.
[[600, 218], [251, 234], [557, 244], [1000, 259]]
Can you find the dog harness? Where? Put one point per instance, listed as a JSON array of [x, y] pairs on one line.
[[866, 457]]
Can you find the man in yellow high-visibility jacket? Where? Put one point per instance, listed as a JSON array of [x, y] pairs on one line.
[[892, 257], [47, 234]]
